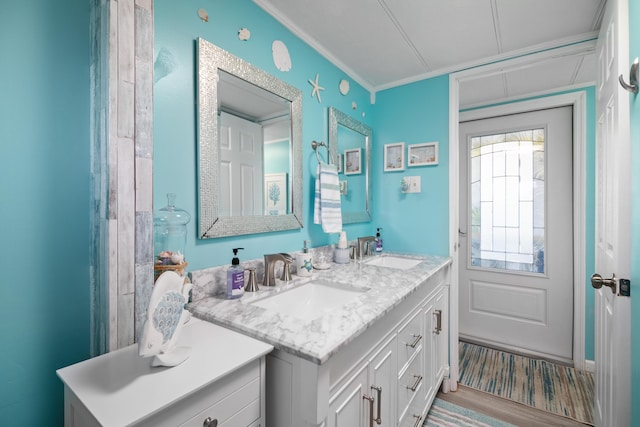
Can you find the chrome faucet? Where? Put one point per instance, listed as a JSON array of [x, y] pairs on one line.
[[364, 245], [269, 266]]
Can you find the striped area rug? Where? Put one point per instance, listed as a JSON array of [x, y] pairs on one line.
[[445, 414], [557, 389]]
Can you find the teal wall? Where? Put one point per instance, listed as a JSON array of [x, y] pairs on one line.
[[276, 157], [414, 113], [175, 170], [44, 204], [634, 52]]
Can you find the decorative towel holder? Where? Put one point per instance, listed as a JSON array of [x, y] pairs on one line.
[[633, 79], [315, 145]]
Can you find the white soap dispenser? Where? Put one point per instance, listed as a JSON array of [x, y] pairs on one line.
[[341, 253], [342, 240], [304, 265]]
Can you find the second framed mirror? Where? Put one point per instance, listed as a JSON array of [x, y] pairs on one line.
[[350, 143]]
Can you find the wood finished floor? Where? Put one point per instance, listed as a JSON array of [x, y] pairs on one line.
[[505, 410]]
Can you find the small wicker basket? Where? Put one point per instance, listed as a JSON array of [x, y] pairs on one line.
[[158, 269]]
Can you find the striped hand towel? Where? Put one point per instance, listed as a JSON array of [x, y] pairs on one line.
[[326, 207]]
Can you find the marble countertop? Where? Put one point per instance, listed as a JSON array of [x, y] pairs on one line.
[[318, 339]]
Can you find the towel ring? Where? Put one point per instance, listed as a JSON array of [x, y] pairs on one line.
[[315, 145]]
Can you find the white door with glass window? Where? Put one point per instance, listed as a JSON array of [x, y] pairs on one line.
[[613, 194], [516, 232]]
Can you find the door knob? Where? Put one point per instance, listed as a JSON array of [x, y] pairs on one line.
[[597, 281]]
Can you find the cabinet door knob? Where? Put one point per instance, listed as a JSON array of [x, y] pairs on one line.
[[210, 422]]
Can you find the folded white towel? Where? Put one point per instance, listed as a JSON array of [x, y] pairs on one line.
[[327, 199]]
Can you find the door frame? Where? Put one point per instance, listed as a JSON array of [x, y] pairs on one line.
[[577, 100]]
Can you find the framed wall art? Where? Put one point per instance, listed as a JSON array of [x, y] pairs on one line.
[[353, 161], [423, 154], [275, 194], [394, 157]]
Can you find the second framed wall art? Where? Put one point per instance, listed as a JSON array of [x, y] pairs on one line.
[[423, 154]]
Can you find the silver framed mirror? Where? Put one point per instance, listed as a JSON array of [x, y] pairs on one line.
[[273, 201], [350, 142]]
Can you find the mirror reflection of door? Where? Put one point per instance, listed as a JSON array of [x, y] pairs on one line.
[[241, 170], [255, 140]]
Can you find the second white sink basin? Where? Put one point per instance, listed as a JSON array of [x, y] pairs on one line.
[[311, 300], [392, 261]]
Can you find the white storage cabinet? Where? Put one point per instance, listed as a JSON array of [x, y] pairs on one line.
[[222, 384]]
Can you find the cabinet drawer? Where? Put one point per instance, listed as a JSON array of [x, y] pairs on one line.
[[239, 408], [410, 339], [413, 418], [235, 395], [410, 384]]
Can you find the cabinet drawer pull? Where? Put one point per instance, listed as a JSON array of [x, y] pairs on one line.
[[370, 399], [379, 390], [210, 422], [418, 420], [415, 341], [438, 314], [416, 384]]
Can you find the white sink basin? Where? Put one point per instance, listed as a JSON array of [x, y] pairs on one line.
[[311, 300], [392, 261]]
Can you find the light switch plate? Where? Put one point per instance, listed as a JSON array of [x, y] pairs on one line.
[[414, 183]]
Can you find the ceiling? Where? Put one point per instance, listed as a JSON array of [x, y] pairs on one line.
[[386, 43]]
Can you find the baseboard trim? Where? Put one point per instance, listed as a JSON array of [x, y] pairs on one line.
[[590, 366]]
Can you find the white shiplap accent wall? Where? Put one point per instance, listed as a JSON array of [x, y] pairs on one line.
[[128, 170]]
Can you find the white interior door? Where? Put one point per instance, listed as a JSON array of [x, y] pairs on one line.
[[612, 316], [241, 167], [516, 243]]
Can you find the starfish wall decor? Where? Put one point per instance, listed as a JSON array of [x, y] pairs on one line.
[[316, 88]]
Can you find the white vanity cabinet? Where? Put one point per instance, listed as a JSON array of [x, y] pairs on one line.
[[222, 383], [390, 372], [372, 385]]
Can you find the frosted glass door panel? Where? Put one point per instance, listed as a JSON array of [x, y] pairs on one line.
[[507, 192]]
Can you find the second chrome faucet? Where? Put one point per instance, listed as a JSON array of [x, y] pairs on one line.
[[364, 246], [269, 268]]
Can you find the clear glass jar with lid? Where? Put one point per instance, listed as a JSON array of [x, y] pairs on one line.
[[170, 234]]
